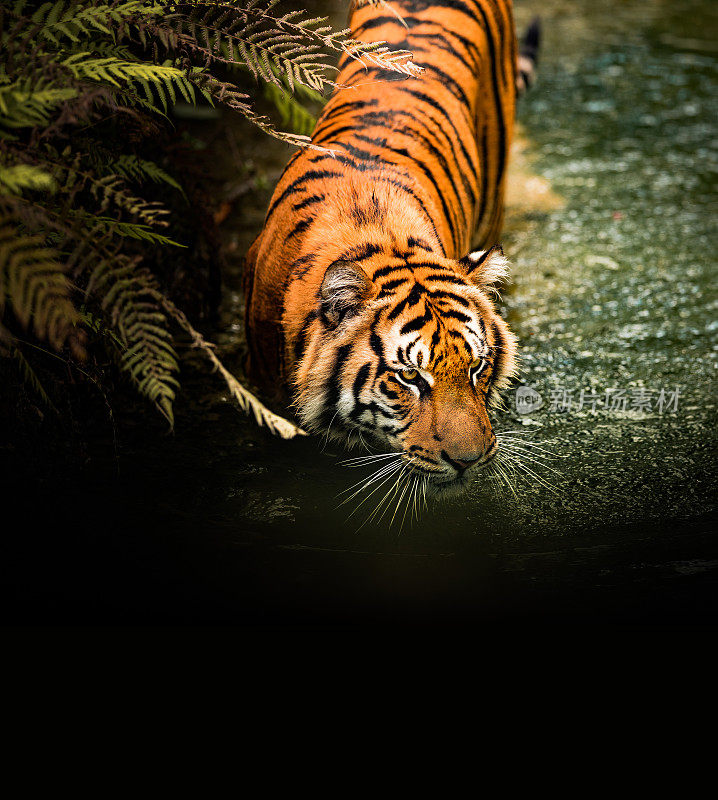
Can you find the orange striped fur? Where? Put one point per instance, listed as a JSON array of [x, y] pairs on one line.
[[363, 303]]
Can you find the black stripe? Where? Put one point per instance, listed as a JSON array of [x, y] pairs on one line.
[[451, 297], [361, 165], [377, 347], [470, 46], [497, 95], [300, 268], [498, 19], [418, 322], [295, 184], [300, 344], [413, 241], [444, 79], [413, 134], [378, 22], [299, 228], [333, 392], [484, 176], [451, 85], [361, 378], [499, 358], [453, 314], [450, 214], [387, 392], [411, 345], [324, 137], [449, 277], [422, 5], [308, 201], [360, 252], [357, 152], [438, 42], [389, 285], [471, 191], [451, 144], [333, 111], [408, 302], [425, 98], [379, 118], [413, 194], [380, 273]]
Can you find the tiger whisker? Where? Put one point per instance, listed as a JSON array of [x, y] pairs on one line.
[[520, 465], [513, 442], [366, 478], [386, 476], [415, 497], [530, 456], [395, 489], [508, 447], [533, 459], [326, 436], [412, 481], [366, 482], [508, 436], [360, 461], [363, 443], [505, 478], [389, 493], [371, 455], [493, 475], [398, 502], [532, 445]]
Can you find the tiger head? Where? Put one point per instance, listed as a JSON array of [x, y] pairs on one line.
[[411, 357]]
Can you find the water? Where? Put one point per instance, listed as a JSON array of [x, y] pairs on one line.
[[614, 288]]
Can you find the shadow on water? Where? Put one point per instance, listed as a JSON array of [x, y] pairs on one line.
[[614, 289]]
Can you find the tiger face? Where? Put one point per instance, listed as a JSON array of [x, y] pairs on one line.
[[412, 359]]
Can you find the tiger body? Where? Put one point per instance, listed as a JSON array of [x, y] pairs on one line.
[[362, 303]]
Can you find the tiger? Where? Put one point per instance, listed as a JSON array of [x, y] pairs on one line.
[[366, 307]]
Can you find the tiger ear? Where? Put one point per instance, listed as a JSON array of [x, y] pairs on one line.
[[344, 288], [486, 268]]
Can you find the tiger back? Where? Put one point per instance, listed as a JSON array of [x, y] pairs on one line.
[[365, 305]]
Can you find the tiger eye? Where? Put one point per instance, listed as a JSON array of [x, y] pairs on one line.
[[409, 374], [476, 364]]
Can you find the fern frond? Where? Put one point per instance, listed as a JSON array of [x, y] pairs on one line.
[[110, 190], [31, 378], [247, 401], [99, 226], [292, 47], [128, 296], [25, 103], [34, 285], [166, 80], [383, 4], [75, 20], [107, 190], [23, 177], [139, 169], [316, 30], [226, 94]]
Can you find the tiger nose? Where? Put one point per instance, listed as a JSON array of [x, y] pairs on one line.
[[459, 464]]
